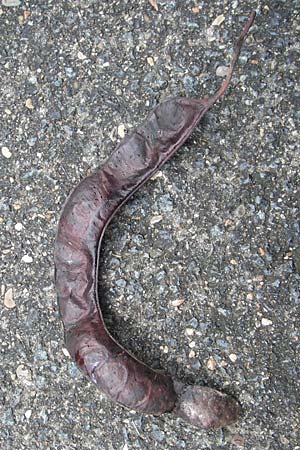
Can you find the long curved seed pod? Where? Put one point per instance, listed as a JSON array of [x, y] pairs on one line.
[[85, 216]]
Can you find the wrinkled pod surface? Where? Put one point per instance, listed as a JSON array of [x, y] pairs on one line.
[[84, 218]]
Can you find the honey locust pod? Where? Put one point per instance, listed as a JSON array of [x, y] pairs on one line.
[[84, 218]]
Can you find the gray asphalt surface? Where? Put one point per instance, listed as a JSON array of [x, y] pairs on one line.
[[200, 269]]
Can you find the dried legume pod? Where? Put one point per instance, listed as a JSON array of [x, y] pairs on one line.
[[85, 216]]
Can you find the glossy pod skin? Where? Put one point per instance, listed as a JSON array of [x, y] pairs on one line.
[[85, 216]]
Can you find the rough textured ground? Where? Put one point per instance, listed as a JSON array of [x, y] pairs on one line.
[[215, 233]]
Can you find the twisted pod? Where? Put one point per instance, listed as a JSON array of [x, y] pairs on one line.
[[85, 216]]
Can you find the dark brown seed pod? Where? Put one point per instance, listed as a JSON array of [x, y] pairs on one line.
[[85, 216]]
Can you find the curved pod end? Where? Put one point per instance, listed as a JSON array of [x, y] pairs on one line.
[[119, 375], [206, 408]]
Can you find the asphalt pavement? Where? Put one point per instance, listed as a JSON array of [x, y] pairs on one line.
[[200, 270]]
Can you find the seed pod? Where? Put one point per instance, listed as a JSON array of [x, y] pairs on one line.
[[85, 216]]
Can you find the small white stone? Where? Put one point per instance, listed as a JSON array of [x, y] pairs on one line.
[[154, 4], [8, 299], [222, 71], [28, 413], [121, 131], [190, 331], [211, 364], [66, 352], [29, 104], [158, 174], [210, 34], [9, 3], [218, 20], [80, 55], [24, 374], [27, 259], [266, 322], [150, 61], [192, 354], [155, 219], [178, 302], [232, 357], [6, 152], [18, 226]]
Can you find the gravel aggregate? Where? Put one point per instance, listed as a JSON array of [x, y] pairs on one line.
[[200, 270]]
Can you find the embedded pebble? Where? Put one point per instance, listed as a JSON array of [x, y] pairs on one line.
[[29, 104], [154, 4], [189, 331], [157, 434], [189, 83], [8, 418], [81, 56], [70, 72], [73, 370], [8, 299], [222, 343], [10, 3], [192, 354], [24, 375], [238, 441], [164, 348], [232, 357], [28, 413], [121, 131], [194, 322], [18, 226], [211, 364], [218, 20], [266, 322], [6, 152], [165, 203], [27, 259], [216, 231], [195, 364], [178, 302], [121, 283], [156, 219], [150, 61], [240, 211], [222, 71], [65, 352], [40, 354], [43, 415]]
